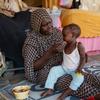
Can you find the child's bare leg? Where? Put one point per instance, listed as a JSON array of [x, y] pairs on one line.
[[46, 93], [65, 94]]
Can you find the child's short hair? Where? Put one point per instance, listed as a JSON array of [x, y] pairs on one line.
[[73, 28]]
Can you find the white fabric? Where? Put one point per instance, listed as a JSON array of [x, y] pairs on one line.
[[91, 5], [71, 61], [15, 5]]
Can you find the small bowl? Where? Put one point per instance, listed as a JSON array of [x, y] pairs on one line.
[[21, 92]]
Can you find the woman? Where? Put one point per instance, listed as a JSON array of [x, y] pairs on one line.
[[40, 52], [39, 47]]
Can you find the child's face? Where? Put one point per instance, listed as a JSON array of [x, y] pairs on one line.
[[68, 37]]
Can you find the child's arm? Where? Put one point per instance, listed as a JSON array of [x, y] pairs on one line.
[[81, 50]]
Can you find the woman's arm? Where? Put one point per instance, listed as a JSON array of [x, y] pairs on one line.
[[81, 50], [39, 63], [32, 58]]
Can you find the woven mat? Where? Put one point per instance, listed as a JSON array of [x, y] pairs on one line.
[[34, 94], [6, 94], [93, 68]]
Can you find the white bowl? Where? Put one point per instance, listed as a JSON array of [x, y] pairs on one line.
[[21, 92]]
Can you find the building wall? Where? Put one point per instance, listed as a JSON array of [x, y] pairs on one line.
[[33, 2]]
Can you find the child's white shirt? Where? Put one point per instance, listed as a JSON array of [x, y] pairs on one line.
[[71, 61]]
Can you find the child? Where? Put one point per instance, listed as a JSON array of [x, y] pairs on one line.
[[73, 61]]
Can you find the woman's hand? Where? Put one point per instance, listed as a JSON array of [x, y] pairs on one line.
[[54, 49]]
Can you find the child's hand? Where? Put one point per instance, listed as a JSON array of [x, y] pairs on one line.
[[79, 71]]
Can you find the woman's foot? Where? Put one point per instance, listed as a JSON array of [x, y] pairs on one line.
[[65, 94], [47, 93], [62, 96]]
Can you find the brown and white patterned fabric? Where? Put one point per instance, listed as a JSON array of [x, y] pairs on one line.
[[36, 44], [90, 87]]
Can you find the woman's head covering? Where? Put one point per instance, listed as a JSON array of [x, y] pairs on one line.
[[37, 17]]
